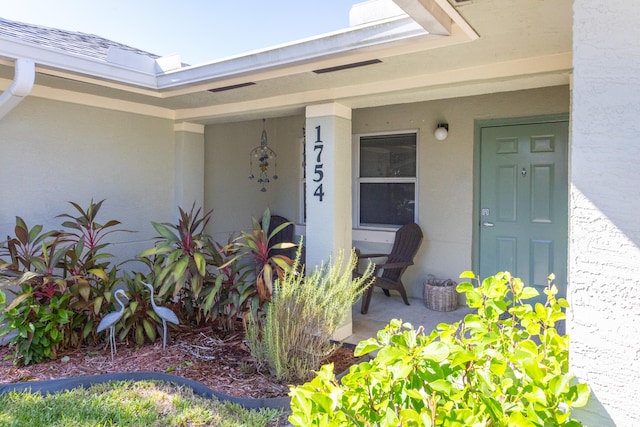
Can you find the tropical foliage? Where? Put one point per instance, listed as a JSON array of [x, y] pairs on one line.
[[503, 365], [256, 253], [39, 318], [139, 321], [181, 262], [66, 280]]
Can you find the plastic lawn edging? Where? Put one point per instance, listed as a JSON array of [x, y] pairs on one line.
[[45, 387], [52, 386]]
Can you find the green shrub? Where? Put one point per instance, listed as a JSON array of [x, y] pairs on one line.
[[209, 280], [87, 269], [303, 314], [504, 365], [64, 283], [181, 260], [70, 268], [255, 255], [139, 322], [38, 319]]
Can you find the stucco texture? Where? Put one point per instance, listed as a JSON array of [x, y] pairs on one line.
[[54, 152], [604, 249], [234, 198], [447, 168]]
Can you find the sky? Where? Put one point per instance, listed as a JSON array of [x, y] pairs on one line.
[[198, 30]]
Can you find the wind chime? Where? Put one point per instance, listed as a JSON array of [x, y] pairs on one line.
[[263, 153]]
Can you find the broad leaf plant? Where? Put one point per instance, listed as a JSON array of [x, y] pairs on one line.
[[503, 365]]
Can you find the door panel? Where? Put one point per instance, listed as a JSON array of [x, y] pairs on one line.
[[507, 193], [524, 202], [542, 193]]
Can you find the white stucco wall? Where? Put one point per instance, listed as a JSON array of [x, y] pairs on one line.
[[53, 152], [605, 231], [446, 175], [189, 164], [445, 178], [233, 197]]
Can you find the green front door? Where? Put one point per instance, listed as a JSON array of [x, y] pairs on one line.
[[524, 202]]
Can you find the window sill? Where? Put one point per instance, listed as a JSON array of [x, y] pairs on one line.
[[359, 234]]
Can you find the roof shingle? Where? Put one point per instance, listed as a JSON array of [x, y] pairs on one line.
[[69, 41]]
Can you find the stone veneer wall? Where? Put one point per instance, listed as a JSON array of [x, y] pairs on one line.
[[604, 254]]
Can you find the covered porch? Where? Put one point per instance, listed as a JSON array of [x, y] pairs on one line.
[[444, 202], [383, 309]]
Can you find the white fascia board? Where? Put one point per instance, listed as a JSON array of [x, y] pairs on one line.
[[436, 16], [427, 14], [306, 50], [53, 58]]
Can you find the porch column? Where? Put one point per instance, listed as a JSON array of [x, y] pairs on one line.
[[328, 195], [189, 165]]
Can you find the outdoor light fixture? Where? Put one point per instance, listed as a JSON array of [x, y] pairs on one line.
[[263, 154], [442, 131]]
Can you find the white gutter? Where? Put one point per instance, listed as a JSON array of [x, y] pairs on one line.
[[366, 36], [23, 80]]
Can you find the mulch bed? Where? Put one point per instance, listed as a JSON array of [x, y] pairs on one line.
[[220, 361]]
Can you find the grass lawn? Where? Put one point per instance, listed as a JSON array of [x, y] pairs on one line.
[[126, 403]]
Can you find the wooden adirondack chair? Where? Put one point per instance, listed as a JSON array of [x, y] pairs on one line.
[[405, 246], [283, 236]]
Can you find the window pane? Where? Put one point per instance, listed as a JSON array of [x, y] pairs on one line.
[[388, 156], [387, 203]]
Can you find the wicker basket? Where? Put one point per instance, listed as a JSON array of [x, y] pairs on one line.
[[440, 294]]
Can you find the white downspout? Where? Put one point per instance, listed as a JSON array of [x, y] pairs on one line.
[[23, 80]]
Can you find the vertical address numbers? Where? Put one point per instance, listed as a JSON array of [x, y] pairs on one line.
[[318, 173]]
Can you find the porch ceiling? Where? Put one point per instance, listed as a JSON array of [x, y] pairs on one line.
[[522, 44]]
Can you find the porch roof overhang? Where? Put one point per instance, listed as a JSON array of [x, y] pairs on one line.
[[424, 53]]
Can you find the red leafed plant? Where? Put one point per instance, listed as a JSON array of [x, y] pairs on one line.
[[182, 261], [255, 250]]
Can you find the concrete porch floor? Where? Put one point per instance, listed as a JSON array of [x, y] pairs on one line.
[[382, 309]]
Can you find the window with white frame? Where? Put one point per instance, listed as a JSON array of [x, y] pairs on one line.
[[386, 187]]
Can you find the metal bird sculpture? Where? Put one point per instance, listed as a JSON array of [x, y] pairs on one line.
[[110, 320], [163, 313]]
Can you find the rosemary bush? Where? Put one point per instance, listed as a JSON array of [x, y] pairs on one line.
[[303, 314]]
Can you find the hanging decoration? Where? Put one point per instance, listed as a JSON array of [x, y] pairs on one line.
[[263, 155]]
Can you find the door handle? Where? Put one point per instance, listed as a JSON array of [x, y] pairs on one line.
[[487, 224]]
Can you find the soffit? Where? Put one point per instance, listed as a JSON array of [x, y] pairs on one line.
[[522, 44], [511, 31]]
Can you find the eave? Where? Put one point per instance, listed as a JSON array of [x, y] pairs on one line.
[[395, 35]]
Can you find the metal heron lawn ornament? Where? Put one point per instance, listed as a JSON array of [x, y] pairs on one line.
[[163, 313], [110, 320]]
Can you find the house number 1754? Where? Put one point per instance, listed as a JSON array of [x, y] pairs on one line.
[[318, 174]]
